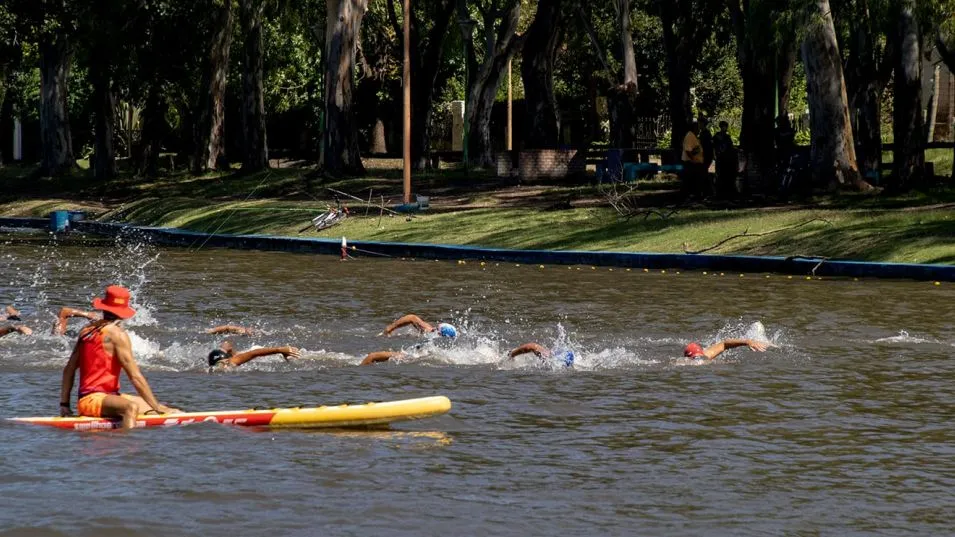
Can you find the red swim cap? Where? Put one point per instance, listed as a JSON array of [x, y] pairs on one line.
[[693, 350]]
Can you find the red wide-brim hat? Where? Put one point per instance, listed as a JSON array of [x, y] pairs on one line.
[[116, 302]]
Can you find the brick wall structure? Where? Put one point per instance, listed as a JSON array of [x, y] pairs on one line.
[[551, 163]]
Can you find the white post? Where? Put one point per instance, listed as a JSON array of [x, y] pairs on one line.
[[17, 139]]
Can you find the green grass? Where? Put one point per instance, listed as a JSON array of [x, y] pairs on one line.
[[476, 210], [942, 158]]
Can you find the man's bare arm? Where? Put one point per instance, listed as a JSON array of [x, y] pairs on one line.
[[230, 329], [59, 327], [243, 357], [529, 347], [380, 356], [66, 385], [123, 350], [715, 350], [405, 321], [18, 328]]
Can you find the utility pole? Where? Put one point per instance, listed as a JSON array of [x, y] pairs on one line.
[[467, 31], [510, 109], [406, 87]]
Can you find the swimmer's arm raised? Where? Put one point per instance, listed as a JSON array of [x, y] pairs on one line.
[[59, 327], [405, 321], [715, 350], [230, 329], [541, 352], [243, 357], [380, 356]]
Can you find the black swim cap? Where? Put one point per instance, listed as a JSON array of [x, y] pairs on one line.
[[217, 356]]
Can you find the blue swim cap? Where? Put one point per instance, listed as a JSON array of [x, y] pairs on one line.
[[569, 359], [447, 330]]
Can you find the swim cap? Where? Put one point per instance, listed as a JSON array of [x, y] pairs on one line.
[[447, 330], [693, 350], [569, 359], [217, 356]]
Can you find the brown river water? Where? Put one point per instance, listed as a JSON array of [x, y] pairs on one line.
[[844, 428]]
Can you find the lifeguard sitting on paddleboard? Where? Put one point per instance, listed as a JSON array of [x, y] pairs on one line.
[[445, 330], [695, 351], [102, 350]]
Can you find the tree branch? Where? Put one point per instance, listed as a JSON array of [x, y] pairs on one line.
[[746, 233], [593, 39], [393, 17]]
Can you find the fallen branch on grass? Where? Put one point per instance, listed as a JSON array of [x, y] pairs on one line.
[[819, 264], [624, 200], [746, 233]]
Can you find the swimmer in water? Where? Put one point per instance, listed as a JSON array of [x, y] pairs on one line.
[[225, 356], [18, 328], [63, 318], [230, 329], [445, 330], [695, 351], [565, 355], [10, 314], [383, 356]]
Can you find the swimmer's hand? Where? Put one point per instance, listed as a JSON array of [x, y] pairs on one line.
[[758, 346], [26, 331], [163, 409], [290, 352], [65, 411]]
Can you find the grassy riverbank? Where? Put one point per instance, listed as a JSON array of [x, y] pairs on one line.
[[478, 210]]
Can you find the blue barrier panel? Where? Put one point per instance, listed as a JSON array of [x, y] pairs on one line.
[[59, 221]]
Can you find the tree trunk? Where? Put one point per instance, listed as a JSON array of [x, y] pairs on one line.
[[931, 114], [909, 156], [210, 116], [683, 40], [537, 73], [340, 139], [756, 71], [623, 98], [104, 103], [866, 78], [56, 142], [153, 130], [426, 64], [3, 95], [485, 83], [785, 68], [255, 156], [833, 150], [945, 50]]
